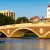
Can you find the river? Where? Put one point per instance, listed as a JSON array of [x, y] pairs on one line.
[[24, 44]]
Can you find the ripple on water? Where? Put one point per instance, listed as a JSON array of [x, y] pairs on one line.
[[24, 44]]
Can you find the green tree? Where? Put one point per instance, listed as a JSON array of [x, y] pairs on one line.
[[22, 20], [9, 20], [5, 20]]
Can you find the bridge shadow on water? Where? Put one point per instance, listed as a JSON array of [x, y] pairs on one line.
[[31, 37]]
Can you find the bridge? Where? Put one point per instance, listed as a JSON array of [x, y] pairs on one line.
[[42, 30]]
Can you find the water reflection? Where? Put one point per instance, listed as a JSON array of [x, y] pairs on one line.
[[41, 44], [25, 44]]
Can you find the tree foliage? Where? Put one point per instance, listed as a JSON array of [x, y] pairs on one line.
[[5, 20], [30, 34], [22, 20]]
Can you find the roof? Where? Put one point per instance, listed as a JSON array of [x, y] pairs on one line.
[[35, 17], [5, 11], [32, 18], [49, 5]]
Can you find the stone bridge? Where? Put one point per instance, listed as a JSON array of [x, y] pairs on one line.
[[42, 30]]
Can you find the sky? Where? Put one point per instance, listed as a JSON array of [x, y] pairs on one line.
[[28, 8]]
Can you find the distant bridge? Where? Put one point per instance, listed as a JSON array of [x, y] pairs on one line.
[[40, 29]]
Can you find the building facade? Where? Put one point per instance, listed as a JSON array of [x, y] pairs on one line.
[[48, 11], [34, 19], [8, 13]]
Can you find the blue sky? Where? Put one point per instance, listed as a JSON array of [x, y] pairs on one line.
[[28, 8]]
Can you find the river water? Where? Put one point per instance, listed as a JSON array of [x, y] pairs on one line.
[[24, 44]]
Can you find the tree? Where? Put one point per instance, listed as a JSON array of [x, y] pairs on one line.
[[22, 20], [9, 20], [5, 20]]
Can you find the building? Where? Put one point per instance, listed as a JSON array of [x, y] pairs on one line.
[[34, 19], [47, 19], [48, 11], [8, 13]]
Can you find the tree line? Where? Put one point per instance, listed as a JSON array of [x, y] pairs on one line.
[[5, 20]]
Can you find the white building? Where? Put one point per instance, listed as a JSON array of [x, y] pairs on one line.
[[8, 13], [48, 11]]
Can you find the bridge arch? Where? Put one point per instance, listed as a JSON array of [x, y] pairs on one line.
[[46, 34], [25, 28], [3, 33]]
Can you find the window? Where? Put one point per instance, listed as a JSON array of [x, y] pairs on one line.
[[7, 14], [48, 10]]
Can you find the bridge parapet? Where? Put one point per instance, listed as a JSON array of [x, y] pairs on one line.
[[25, 25]]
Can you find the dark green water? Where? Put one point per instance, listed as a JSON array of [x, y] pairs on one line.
[[24, 44]]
